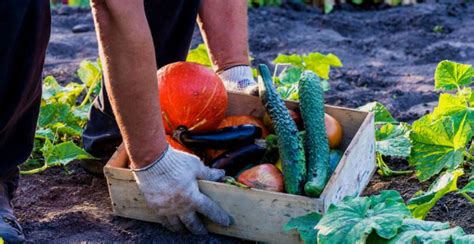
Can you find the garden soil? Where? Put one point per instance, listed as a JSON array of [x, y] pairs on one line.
[[389, 55]]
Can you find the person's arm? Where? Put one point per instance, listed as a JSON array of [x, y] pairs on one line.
[[127, 53], [224, 29]]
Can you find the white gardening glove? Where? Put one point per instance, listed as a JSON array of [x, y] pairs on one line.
[[239, 79], [171, 190]]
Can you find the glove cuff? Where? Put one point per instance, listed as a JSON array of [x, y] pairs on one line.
[[238, 78], [167, 166]]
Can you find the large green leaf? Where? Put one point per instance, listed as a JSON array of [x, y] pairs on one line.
[[419, 231], [199, 55], [393, 140], [305, 227], [450, 75], [382, 115], [318, 63], [456, 106], [293, 59], [355, 218], [422, 202], [438, 145], [321, 64], [64, 153]]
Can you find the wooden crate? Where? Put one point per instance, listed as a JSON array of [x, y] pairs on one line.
[[260, 215]]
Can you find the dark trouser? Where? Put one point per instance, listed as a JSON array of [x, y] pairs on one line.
[[24, 35], [172, 24]]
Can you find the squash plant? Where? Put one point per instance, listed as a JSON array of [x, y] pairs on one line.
[[383, 218], [439, 144], [288, 68], [62, 117]]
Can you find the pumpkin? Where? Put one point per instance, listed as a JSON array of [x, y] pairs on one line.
[[176, 145], [192, 96], [235, 121]]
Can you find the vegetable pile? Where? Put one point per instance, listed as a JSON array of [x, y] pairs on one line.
[[294, 159]]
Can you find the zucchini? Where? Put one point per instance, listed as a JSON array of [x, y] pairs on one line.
[[225, 138], [311, 97], [289, 144], [235, 160]]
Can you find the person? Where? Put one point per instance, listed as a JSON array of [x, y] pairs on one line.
[[130, 53], [224, 28]]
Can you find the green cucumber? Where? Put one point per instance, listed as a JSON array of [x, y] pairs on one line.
[[290, 147], [311, 97]]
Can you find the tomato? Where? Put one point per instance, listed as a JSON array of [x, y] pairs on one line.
[[333, 130]]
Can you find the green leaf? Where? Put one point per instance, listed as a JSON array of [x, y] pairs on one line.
[[290, 75], [450, 75], [382, 115], [469, 188], [321, 64], [422, 202], [44, 134], [64, 153], [455, 106], [59, 117], [53, 92], [89, 72], [466, 239], [294, 59], [438, 145], [419, 231], [305, 227], [199, 55], [352, 220], [393, 140]]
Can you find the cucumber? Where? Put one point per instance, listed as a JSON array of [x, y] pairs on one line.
[[289, 144], [311, 97]]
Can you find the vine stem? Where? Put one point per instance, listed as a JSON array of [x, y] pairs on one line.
[[35, 171], [88, 95], [41, 169], [468, 197]]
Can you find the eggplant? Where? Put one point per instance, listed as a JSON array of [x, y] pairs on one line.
[[233, 161], [225, 138]]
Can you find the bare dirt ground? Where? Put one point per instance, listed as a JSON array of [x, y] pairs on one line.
[[389, 55]]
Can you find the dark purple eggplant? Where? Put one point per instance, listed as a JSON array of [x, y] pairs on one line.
[[235, 160], [225, 138]]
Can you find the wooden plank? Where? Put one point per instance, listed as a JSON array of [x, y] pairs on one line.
[[257, 215], [356, 167]]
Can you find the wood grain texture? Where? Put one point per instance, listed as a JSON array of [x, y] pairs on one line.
[[260, 215]]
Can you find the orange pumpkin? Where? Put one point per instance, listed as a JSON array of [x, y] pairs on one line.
[[192, 96], [176, 145]]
